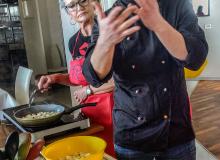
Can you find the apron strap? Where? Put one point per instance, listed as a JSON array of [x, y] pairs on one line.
[[74, 48]]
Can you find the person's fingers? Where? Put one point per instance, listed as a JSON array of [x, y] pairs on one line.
[[151, 3], [47, 82], [79, 100], [130, 31], [75, 93], [141, 3], [45, 85], [126, 13], [136, 11], [115, 12], [44, 90], [128, 23], [98, 9], [41, 82], [76, 98], [146, 5]]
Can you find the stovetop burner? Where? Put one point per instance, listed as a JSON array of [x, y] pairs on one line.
[[67, 122]]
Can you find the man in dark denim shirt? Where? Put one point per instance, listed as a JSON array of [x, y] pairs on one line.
[[145, 47]]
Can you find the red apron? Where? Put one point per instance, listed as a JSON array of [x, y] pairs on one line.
[[102, 113], [75, 74]]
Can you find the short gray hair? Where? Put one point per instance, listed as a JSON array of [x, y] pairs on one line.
[[62, 4]]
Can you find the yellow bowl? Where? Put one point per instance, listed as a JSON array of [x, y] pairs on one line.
[[193, 74], [70, 146]]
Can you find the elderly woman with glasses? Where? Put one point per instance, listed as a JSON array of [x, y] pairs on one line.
[[82, 12]]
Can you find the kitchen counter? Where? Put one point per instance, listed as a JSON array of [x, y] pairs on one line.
[[6, 129], [202, 153]]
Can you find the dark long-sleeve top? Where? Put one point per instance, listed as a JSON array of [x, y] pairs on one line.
[[152, 109]]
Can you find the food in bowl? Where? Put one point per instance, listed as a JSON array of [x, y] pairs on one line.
[[39, 115], [86, 144], [77, 156]]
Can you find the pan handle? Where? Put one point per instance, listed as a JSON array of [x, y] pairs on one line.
[[71, 109]]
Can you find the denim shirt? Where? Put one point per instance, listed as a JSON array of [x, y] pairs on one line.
[[152, 110]]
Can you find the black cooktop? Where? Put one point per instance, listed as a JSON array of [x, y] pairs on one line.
[[65, 119]]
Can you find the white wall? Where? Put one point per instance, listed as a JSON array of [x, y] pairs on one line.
[[204, 3], [55, 32], [42, 32], [191, 85], [33, 39], [212, 70], [45, 29], [68, 30]]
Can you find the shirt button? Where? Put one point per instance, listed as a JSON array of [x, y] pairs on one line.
[[137, 91], [140, 118], [165, 89], [128, 38], [163, 62], [133, 66], [165, 116]]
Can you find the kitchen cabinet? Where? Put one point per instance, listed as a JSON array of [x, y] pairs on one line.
[[13, 53], [10, 24]]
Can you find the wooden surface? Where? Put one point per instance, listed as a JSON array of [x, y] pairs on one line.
[[205, 101], [6, 129], [86, 132]]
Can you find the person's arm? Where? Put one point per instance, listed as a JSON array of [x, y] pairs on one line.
[[60, 78], [113, 28], [46, 81], [81, 94], [106, 87], [187, 42], [172, 40]]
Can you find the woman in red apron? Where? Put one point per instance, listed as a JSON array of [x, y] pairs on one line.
[[82, 12]]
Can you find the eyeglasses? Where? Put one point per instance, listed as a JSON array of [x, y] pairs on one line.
[[72, 6]]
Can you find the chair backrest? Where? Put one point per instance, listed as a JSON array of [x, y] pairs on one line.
[[22, 85]]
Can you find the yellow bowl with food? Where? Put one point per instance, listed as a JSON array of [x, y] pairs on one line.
[[76, 148]]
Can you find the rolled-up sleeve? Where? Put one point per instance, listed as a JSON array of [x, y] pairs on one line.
[[193, 35], [88, 70]]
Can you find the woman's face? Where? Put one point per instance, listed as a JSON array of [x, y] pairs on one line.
[[80, 11]]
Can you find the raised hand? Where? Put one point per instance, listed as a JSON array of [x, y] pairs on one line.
[[113, 28], [149, 14]]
